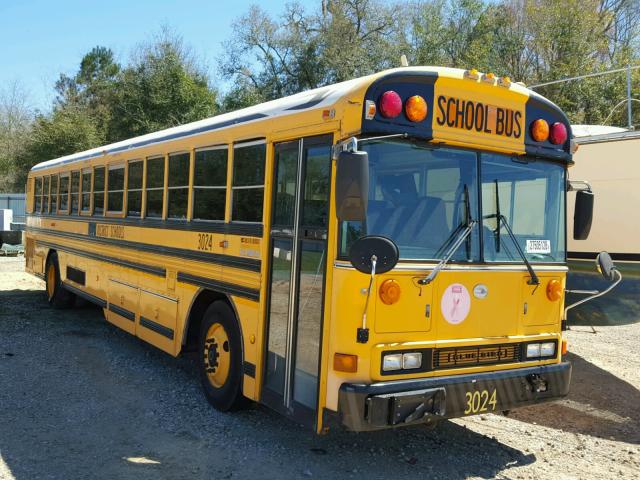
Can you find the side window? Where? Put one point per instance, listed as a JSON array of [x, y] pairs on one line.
[[54, 193], [75, 191], [45, 194], [155, 187], [134, 189], [248, 182], [115, 186], [178, 189], [64, 193], [38, 195], [86, 190], [210, 184], [98, 190]]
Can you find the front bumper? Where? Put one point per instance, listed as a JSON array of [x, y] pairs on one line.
[[381, 405]]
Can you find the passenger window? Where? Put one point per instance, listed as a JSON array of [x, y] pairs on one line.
[[248, 182], [115, 187], [98, 191], [178, 186], [54, 194], [210, 183], [134, 189], [155, 187], [85, 204], [64, 193], [75, 191], [38, 194], [45, 195]]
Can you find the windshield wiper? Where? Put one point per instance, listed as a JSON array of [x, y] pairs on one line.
[[458, 236], [534, 280]]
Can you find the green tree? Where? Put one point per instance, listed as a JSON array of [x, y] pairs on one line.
[[162, 87], [15, 129]]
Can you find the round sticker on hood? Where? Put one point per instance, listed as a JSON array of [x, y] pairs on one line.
[[455, 303]]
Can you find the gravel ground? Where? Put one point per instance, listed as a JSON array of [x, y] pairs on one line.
[[82, 399]]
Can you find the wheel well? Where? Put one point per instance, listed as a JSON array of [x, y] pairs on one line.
[[202, 301]]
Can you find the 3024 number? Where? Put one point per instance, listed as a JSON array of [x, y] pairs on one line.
[[205, 242], [480, 401]]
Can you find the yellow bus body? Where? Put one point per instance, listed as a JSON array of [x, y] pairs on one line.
[[157, 272]]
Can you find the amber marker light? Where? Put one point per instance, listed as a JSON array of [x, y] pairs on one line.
[[554, 290], [540, 130], [565, 347], [343, 362], [389, 292], [416, 108]]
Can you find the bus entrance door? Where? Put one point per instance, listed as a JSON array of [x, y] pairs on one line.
[[298, 247]]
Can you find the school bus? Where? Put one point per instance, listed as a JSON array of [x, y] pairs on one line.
[[386, 251]]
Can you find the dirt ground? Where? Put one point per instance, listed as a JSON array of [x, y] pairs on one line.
[[81, 399]]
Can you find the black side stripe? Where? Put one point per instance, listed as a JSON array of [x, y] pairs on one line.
[[249, 369], [217, 258], [87, 296], [249, 229], [123, 312], [223, 287], [156, 327], [161, 272]]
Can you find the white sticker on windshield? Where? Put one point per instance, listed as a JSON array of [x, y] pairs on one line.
[[538, 246]]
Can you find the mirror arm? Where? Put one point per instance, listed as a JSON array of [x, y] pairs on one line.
[[362, 334], [578, 186], [592, 295]]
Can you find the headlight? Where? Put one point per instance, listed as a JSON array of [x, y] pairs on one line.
[[547, 349], [411, 360], [533, 350], [541, 350], [401, 361], [392, 362]]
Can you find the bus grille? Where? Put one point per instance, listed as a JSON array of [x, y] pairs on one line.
[[475, 356]]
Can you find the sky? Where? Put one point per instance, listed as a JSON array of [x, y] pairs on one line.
[[39, 39]]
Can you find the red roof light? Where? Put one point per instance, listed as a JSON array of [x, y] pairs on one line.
[[390, 104], [558, 133]]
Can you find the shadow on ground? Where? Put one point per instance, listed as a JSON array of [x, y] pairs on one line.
[[599, 404], [83, 399]]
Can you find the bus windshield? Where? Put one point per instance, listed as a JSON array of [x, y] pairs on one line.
[[420, 196]]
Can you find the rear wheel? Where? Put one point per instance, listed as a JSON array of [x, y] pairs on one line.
[[220, 357], [57, 295]]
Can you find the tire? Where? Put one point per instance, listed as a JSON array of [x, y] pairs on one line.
[[57, 295], [220, 357]]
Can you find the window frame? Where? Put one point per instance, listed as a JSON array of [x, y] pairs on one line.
[[71, 194], [103, 191], [89, 210], [146, 189], [225, 188], [62, 175], [108, 191], [141, 189], [238, 145], [178, 187], [54, 211]]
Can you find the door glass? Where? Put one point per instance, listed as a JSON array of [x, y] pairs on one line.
[[286, 178], [278, 314], [305, 384], [316, 187]]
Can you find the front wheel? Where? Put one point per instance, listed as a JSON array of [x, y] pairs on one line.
[[220, 357], [57, 295]]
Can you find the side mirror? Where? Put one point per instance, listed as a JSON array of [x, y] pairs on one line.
[[352, 186], [605, 266], [385, 251], [582, 215]]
